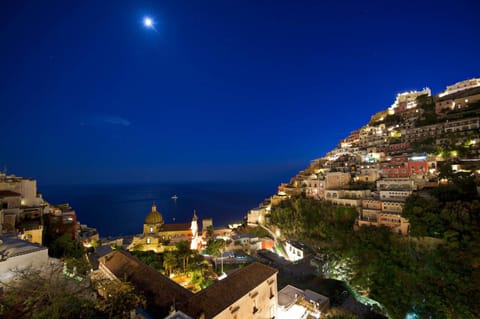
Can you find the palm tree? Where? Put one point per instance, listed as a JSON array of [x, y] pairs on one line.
[[169, 262], [184, 252]]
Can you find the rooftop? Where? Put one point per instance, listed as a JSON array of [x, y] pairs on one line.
[[240, 236], [10, 247], [154, 217], [175, 227], [289, 294], [461, 94], [297, 244], [222, 294], [159, 290]]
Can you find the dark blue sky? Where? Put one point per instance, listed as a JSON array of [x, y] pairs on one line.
[[223, 91]]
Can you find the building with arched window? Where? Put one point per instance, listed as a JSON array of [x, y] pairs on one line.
[[158, 236]]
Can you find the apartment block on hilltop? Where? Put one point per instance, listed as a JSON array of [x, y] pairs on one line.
[[256, 216], [21, 207], [381, 212], [26, 187], [462, 125], [367, 172], [407, 100], [458, 96], [390, 149], [460, 86], [314, 187], [404, 166], [348, 198], [335, 180], [457, 101]]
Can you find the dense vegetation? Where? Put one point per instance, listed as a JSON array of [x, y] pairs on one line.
[[50, 294], [182, 262], [307, 219], [433, 278]]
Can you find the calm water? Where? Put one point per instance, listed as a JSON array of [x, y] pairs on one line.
[[121, 209]]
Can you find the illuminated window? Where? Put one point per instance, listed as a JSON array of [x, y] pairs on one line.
[[149, 240]]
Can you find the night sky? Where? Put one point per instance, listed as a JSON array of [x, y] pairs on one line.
[[218, 90]]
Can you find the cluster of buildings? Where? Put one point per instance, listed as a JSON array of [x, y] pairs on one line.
[[20, 207], [24, 213], [26, 221], [159, 236], [375, 168], [249, 292]]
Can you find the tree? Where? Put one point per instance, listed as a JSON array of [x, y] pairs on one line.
[[119, 298], [151, 258], [404, 274], [47, 294], [209, 232], [65, 246], [169, 262], [338, 313], [79, 266], [423, 215], [215, 247], [184, 252]]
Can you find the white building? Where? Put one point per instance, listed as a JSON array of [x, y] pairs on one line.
[[26, 187], [9, 209], [256, 216], [314, 187], [399, 183], [17, 254], [460, 86], [295, 250], [395, 195], [334, 180], [349, 198], [295, 303], [462, 125], [407, 100]]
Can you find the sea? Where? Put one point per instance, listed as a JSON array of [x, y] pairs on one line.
[[120, 209]]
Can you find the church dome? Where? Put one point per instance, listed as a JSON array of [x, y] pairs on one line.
[[154, 217]]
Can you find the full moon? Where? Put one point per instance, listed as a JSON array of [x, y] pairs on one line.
[[148, 22]]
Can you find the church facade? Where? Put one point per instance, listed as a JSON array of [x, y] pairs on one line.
[[160, 237]]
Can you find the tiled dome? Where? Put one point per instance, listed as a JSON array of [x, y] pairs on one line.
[[154, 217]]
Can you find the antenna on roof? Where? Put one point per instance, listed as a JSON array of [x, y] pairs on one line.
[[4, 171]]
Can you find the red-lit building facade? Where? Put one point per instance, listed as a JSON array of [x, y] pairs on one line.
[[404, 166], [61, 220]]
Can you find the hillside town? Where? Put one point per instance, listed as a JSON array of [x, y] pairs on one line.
[[261, 269], [400, 151]]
